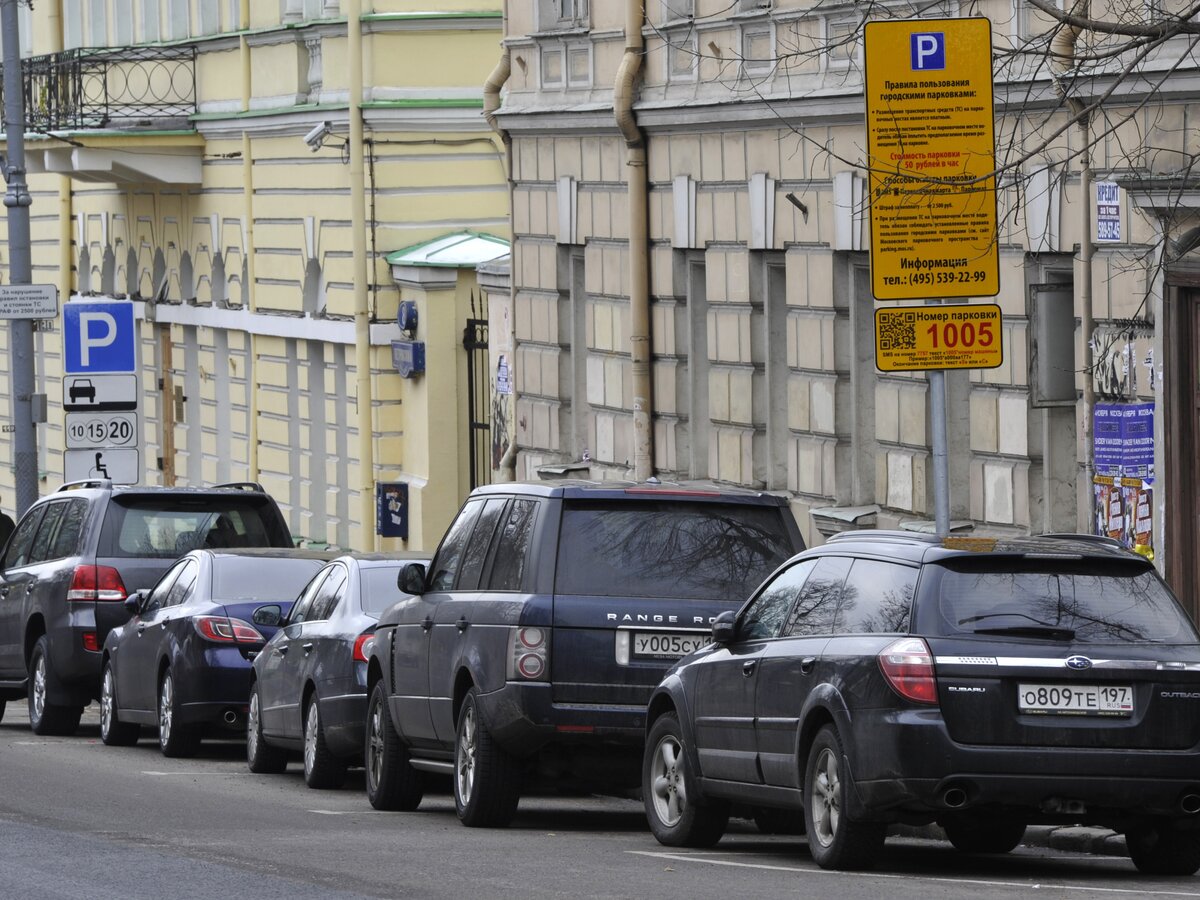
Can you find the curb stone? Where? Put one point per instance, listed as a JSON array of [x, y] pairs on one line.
[[1072, 838]]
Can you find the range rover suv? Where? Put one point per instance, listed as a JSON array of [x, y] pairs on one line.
[[74, 558], [530, 645]]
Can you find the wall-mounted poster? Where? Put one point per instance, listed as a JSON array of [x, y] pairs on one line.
[[1123, 447]]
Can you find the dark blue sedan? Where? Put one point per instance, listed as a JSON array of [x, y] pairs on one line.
[[183, 661], [310, 681]]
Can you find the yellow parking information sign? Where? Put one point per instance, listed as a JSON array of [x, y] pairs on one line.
[[931, 150], [911, 338]]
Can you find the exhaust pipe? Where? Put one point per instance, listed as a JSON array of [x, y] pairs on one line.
[[954, 798], [230, 717], [1190, 804]]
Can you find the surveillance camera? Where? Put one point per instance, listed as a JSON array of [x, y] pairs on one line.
[[316, 137]]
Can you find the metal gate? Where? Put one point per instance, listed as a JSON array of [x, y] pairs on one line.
[[479, 399]]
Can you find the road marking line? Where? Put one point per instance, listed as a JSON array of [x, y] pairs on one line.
[[194, 774], [696, 858], [350, 812]]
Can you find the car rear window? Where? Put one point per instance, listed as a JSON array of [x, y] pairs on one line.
[[669, 549], [379, 590], [1100, 602], [167, 527], [259, 578]]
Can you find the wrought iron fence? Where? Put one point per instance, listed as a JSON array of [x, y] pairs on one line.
[[125, 88]]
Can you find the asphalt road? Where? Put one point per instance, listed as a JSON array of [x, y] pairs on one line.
[[81, 820]]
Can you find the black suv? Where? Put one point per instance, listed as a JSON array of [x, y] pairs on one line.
[[76, 555], [982, 684], [546, 618]]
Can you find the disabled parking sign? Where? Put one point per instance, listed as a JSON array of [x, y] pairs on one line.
[[99, 337]]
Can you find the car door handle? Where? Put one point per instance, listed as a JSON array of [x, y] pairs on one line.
[[806, 665], [427, 624], [307, 647], [282, 651], [4, 592], [749, 667], [141, 628], [462, 623]]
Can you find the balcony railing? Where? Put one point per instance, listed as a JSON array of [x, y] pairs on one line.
[[129, 88]]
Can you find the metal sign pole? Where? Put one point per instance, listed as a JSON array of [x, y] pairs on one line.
[[17, 200], [941, 465]]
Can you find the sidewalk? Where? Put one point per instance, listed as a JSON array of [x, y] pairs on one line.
[[1073, 838]]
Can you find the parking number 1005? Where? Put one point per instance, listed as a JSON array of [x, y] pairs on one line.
[[102, 431], [967, 334]]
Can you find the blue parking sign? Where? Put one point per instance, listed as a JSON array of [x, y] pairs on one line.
[[928, 50], [99, 336]]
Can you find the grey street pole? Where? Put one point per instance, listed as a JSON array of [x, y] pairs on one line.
[[20, 271], [941, 464]]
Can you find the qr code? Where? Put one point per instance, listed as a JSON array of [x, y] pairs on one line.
[[898, 331]]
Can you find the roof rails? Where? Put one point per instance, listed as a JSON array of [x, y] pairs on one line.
[[85, 483], [1093, 538], [242, 486], [873, 534]]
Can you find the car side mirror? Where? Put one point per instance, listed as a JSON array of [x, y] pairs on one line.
[[271, 615], [133, 603], [724, 628], [411, 579]]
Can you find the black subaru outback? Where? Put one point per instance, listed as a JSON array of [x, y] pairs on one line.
[[531, 645], [76, 555]]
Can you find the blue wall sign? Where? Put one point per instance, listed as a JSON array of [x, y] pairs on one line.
[[391, 510], [99, 337]]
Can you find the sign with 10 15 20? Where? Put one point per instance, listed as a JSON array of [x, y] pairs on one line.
[[87, 430]]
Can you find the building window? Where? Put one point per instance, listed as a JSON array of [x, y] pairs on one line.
[[178, 23], [682, 57], [758, 49], [97, 23], [579, 65], [72, 21], [210, 16], [559, 14], [753, 5], [150, 30], [675, 10], [552, 67], [842, 44], [122, 23]]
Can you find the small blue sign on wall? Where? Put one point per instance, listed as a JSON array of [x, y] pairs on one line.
[[391, 510], [409, 358], [99, 337]]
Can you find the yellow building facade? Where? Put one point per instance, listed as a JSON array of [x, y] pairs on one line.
[[203, 166]]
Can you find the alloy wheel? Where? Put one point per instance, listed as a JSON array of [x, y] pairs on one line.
[[106, 702], [166, 699], [252, 726], [826, 801], [464, 773], [312, 725], [374, 745], [667, 784], [39, 686]]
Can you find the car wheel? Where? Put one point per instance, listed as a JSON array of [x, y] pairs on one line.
[[771, 820], [113, 731], [677, 815], [392, 783], [834, 840], [487, 780], [321, 768], [174, 738], [1164, 850], [973, 835], [46, 717], [3, 703], [261, 757]]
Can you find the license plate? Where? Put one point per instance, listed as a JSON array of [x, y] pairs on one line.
[[1076, 699], [664, 645]]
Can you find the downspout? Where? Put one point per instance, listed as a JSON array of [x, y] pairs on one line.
[[55, 44], [1062, 48], [507, 467], [639, 235], [362, 308], [253, 473]]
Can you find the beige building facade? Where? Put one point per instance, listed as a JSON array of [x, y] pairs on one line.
[[209, 170], [748, 131]]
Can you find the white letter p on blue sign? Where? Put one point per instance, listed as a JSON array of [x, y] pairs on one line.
[[99, 336], [928, 51]]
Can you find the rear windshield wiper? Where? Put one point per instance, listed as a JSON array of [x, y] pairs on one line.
[[1053, 632]]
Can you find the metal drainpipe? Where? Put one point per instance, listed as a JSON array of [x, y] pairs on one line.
[[639, 234], [362, 300], [56, 43], [1062, 47], [253, 473], [491, 102]]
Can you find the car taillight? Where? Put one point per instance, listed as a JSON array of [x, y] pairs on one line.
[[96, 583], [224, 630], [908, 666], [529, 654], [91, 641], [362, 646]]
